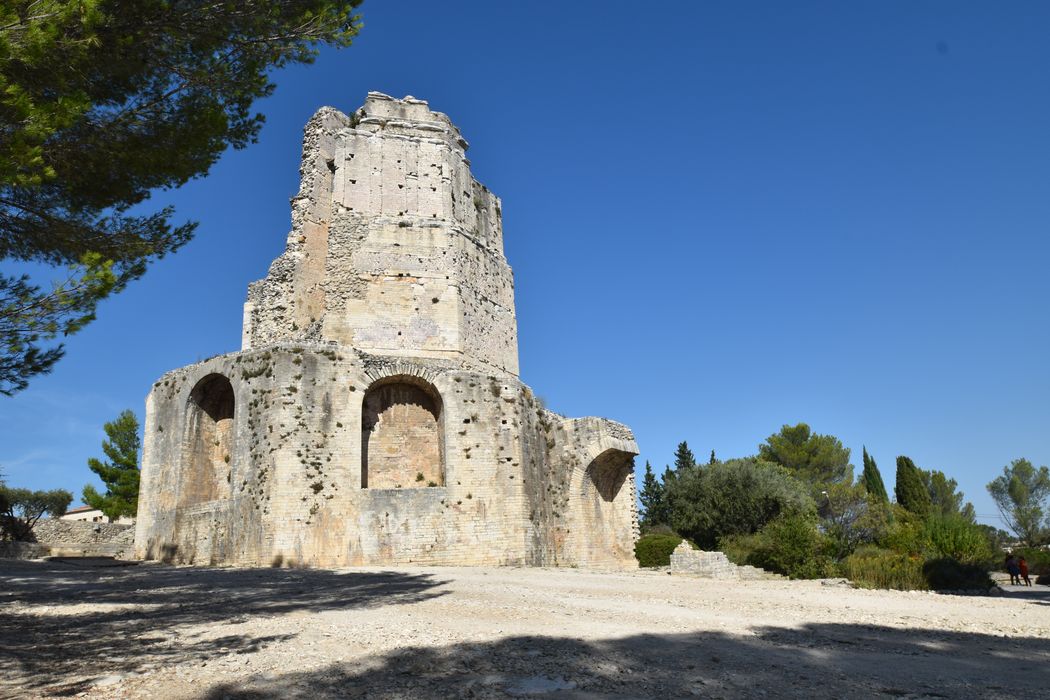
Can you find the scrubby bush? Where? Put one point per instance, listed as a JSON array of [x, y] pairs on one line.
[[790, 545], [655, 550], [904, 534], [739, 548], [737, 497], [950, 575], [954, 537], [874, 567]]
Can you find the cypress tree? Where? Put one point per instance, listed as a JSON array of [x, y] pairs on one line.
[[910, 489], [712, 460], [683, 457], [872, 479], [654, 504]]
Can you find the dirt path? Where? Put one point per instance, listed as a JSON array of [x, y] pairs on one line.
[[164, 632]]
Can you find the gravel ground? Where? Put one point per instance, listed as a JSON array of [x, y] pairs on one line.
[[153, 631]]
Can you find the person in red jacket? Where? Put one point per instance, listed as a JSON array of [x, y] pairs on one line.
[[1023, 565]]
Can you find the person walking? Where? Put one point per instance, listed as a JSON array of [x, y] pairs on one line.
[[1022, 568], [1013, 567]]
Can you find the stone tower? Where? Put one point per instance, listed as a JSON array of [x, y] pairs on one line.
[[374, 414]]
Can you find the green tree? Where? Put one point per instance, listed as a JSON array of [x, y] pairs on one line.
[[945, 499], [712, 459], [103, 102], [654, 505], [30, 317], [20, 509], [120, 473], [683, 458], [997, 537], [816, 459], [1021, 494], [851, 516], [734, 497], [910, 488], [872, 478]]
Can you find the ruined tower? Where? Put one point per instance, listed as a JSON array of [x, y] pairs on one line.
[[374, 413]]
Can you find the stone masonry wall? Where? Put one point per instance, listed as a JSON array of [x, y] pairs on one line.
[[695, 562], [395, 248], [521, 485]]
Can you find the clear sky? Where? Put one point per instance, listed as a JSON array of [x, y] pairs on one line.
[[722, 217]]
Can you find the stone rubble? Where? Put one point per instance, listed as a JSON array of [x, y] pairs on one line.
[[714, 565]]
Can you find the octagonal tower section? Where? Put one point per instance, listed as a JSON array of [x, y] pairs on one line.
[[395, 248]]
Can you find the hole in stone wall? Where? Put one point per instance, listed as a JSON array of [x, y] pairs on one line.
[[208, 442], [402, 435]]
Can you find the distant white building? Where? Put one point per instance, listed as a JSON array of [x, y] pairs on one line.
[[94, 515]]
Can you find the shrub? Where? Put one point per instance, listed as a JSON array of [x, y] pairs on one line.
[[655, 550], [739, 548], [946, 574], [737, 497], [874, 567], [905, 534], [954, 537], [790, 545]]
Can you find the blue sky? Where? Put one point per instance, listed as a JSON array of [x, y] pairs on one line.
[[722, 217]]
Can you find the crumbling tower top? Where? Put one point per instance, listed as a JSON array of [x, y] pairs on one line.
[[395, 248]]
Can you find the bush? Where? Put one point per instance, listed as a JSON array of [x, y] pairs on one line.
[[655, 550], [737, 497], [905, 534], [790, 545], [950, 575], [739, 548], [953, 537], [874, 567]]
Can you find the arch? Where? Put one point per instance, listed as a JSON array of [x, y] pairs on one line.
[[402, 434], [603, 517], [606, 474], [208, 442]]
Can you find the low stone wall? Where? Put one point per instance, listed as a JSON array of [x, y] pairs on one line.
[[23, 550], [73, 538], [70, 532], [695, 562]]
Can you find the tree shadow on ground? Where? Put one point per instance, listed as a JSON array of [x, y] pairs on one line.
[[811, 661], [138, 611]]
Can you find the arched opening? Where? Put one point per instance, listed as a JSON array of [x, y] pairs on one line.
[[607, 473], [402, 435], [606, 509], [208, 442]]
